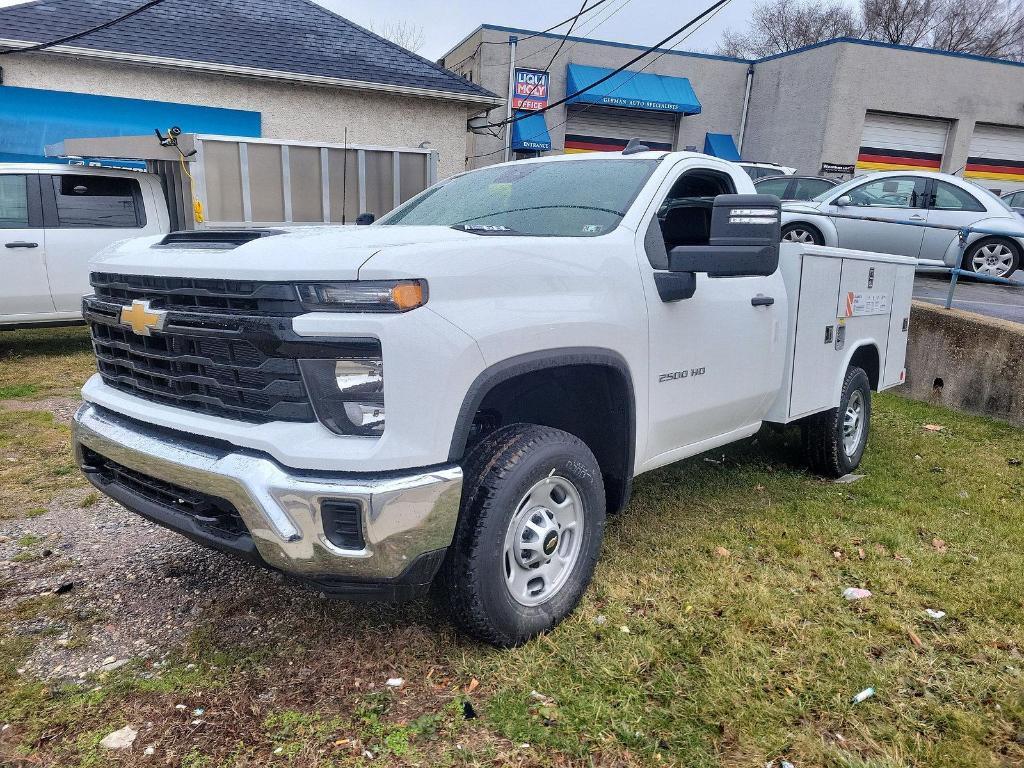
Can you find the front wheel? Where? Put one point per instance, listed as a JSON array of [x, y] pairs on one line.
[[802, 233], [529, 534], [995, 257], [834, 440]]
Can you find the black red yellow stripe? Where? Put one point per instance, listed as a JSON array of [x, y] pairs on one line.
[[992, 168], [886, 159], [577, 143]]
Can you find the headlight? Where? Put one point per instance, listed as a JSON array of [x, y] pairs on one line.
[[347, 394], [364, 295]]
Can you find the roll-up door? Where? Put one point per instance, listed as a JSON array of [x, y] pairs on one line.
[[996, 157], [898, 143], [596, 129]]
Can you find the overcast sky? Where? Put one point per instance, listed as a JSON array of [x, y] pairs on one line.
[[643, 22]]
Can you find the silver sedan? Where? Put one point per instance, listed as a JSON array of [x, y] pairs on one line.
[[920, 198]]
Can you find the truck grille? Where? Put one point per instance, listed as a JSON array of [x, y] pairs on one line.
[[198, 294], [216, 515]]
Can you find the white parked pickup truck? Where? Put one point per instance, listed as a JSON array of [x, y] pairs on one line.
[[53, 220], [460, 392]]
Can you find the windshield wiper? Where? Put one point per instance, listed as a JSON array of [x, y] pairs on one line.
[[620, 214]]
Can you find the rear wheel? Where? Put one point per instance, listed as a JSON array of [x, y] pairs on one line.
[[994, 256], [834, 440], [802, 233], [529, 534]]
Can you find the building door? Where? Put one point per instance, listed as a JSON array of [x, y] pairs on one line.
[[996, 157], [898, 143], [603, 129]]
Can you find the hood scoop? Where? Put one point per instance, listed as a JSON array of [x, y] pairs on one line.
[[214, 239]]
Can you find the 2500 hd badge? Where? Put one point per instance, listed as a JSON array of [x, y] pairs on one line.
[[676, 375]]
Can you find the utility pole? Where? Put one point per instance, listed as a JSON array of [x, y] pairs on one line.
[[512, 40]]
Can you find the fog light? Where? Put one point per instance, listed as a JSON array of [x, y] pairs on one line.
[[347, 394]]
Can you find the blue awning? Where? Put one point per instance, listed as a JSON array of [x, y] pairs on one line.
[[32, 118], [721, 145], [531, 134], [633, 90]]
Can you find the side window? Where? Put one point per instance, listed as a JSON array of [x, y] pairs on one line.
[[890, 192], [809, 188], [775, 187], [684, 216], [98, 201], [13, 202], [951, 198]]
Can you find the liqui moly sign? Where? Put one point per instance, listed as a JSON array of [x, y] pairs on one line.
[[531, 89]]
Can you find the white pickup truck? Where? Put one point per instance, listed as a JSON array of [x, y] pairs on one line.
[[459, 393]]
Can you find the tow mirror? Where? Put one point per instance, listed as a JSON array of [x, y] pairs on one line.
[[365, 218], [744, 239], [843, 200]]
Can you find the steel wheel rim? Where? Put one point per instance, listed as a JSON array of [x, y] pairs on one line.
[[798, 235], [994, 259], [543, 541], [853, 423]]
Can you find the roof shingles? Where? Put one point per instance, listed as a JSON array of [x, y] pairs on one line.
[[296, 37]]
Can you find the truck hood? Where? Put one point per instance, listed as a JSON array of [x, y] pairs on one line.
[[298, 253]]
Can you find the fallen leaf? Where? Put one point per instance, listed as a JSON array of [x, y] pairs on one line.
[[837, 554], [934, 427], [939, 545], [473, 685], [860, 553], [914, 639], [722, 552]]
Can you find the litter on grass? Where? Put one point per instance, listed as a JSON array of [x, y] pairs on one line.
[[864, 695], [934, 614], [856, 593]]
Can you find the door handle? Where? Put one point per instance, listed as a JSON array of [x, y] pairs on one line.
[[917, 217], [762, 301], [21, 244]]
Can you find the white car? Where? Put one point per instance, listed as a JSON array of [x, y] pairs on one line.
[[53, 220], [920, 198], [757, 170], [462, 390]]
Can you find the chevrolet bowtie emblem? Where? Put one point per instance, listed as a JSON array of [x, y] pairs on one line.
[[141, 319]]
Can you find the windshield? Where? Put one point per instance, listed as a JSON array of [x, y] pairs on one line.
[[574, 198]]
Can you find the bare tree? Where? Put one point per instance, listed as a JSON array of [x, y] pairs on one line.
[[778, 26], [985, 27], [905, 22], [409, 36]]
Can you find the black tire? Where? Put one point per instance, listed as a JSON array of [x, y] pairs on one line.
[[823, 433], [789, 231], [1000, 244], [498, 473]]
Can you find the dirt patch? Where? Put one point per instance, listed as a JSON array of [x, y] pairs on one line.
[[62, 408]]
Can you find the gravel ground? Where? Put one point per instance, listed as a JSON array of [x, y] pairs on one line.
[[136, 590], [62, 408]]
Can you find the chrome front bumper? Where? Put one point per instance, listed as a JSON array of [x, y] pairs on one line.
[[405, 518]]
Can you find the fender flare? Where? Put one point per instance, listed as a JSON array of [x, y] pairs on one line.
[[820, 222], [837, 390], [530, 362]]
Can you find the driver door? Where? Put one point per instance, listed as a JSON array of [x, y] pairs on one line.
[[892, 197], [715, 358]]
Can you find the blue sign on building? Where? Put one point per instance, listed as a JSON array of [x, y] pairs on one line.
[[32, 118]]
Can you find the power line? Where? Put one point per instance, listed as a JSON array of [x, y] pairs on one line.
[[678, 42], [709, 10], [83, 33]]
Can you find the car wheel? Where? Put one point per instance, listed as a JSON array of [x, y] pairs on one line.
[[995, 257], [802, 233], [529, 534], [834, 440]]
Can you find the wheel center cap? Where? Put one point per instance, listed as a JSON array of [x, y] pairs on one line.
[[550, 543]]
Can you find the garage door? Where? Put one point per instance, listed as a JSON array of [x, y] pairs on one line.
[[608, 130], [897, 143], [996, 157]]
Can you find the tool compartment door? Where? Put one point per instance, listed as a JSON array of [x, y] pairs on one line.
[[814, 355], [899, 323]]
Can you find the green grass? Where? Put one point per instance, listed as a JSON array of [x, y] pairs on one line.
[[44, 362], [729, 577]]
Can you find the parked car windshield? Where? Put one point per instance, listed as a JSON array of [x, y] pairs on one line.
[[575, 198]]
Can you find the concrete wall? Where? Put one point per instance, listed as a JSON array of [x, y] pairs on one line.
[[290, 111], [979, 362], [790, 104], [718, 83]]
